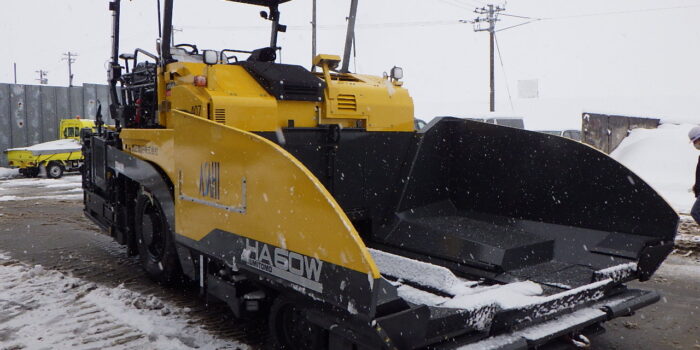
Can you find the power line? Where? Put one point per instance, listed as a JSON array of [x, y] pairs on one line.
[[505, 76], [455, 4], [534, 19], [620, 12], [476, 4], [518, 16], [537, 19], [336, 26], [473, 3], [518, 25]]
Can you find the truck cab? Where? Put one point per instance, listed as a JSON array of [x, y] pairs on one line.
[[70, 128]]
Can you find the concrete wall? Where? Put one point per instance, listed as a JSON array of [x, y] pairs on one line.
[[30, 114], [605, 132]]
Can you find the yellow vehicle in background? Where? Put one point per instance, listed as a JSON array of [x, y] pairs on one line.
[[55, 156]]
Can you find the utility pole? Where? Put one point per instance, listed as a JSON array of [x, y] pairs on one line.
[[491, 18], [42, 77], [313, 33], [70, 58], [350, 36], [15, 65]]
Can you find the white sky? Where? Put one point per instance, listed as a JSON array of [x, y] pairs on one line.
[[622, 57]]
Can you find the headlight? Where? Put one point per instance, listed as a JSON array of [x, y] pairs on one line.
[[396, 73]]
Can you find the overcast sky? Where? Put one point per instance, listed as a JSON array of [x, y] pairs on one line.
[[619, 56]]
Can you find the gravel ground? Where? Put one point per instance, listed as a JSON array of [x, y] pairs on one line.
[[104, 292]]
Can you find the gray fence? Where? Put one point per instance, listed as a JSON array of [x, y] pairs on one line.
[[606, 132], [30, 114]]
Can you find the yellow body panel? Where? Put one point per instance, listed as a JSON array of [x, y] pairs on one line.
[[154, 145], [284, 204], [26, 159], [234, 98]]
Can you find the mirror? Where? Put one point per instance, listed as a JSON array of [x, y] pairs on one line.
[[211, 57]]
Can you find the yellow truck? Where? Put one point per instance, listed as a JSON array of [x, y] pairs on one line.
[[55, 156]]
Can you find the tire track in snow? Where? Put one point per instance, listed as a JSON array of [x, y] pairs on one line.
[[42, 308], [58, 236]]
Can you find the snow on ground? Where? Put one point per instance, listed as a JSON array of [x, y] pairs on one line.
[[45, 309], [66, 197], [539, 331], [684, 239], [665, 159], [23, 189], [6, 173]]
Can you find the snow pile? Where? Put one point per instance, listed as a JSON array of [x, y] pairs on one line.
[[6, 173], [665, 159], [56, 146], [45, 309]]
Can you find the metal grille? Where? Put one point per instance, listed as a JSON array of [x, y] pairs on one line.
[[347, 103], [220, 115]]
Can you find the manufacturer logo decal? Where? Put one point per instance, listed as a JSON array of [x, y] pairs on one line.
[[143, 149]]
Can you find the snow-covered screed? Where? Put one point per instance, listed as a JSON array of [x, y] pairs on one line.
[[45, 309], [471, 295]]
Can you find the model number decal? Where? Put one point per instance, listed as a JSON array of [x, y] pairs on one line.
[[294, 267]]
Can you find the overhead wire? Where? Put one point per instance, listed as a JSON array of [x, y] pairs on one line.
[[620, 12], [517, 25], [333, 26], [503, 69], [455, 4], [475, 3], [536, 19], [518, 16]]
